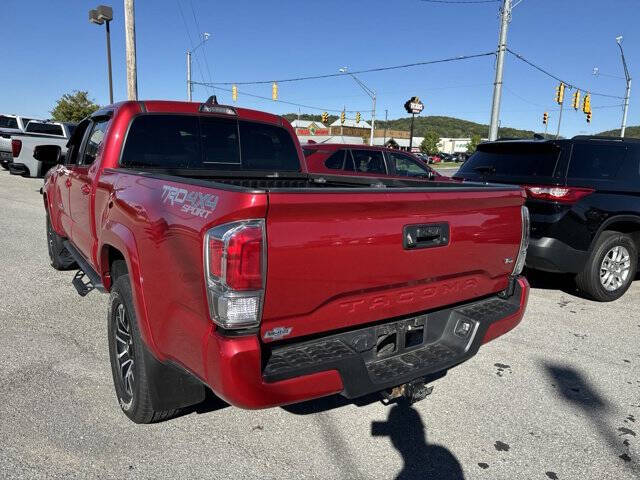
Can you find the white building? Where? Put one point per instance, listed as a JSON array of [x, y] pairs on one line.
[[306, 139], [453, 145], [350, 122]]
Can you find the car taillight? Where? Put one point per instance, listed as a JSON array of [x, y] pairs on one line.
[[557, 194], [16, 146], [234, 260], [524, 241]]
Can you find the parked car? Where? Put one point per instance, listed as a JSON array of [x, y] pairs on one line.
[[584, 198], [445, 157], [435, 159], [229, 266], [37, 133], [9, 125], [460, 157], [364, 160]]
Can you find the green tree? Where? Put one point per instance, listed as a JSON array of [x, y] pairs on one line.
[[473, 144], [430, 143], [73, 107]]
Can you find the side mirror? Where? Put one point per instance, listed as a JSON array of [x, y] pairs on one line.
[[49, 155]]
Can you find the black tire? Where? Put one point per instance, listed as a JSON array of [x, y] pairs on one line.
[[589, 280], [125, 340], [59, 256]]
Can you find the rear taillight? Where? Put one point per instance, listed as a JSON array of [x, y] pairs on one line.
[[234, 261], [524, 241], [557, 194], [16, 146]]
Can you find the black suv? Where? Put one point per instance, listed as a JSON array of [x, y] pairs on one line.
[[584, 199]]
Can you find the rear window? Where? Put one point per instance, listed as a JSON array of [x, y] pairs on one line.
[[514, 160], [46, 128], [596, 162], [199, 142], [8, 122]]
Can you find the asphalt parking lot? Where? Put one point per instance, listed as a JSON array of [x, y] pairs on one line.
[[557, 398]]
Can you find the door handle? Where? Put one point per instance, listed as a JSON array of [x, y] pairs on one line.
[[86, 189], [425, 236]]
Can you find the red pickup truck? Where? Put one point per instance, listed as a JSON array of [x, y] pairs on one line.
[[231, 267]]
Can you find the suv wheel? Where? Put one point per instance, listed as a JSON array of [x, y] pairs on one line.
[[127, 355], [611, 267], [59, 256]]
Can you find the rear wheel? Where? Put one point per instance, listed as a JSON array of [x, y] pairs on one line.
[[611, 267], [59, 256], [127, 355]]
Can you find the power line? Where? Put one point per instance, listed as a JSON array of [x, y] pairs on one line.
[[204, 55], [186, 27], [369, 70], [555, 77]]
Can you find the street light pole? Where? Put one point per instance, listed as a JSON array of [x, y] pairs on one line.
[[371, 94], [505, 13], [104, 14], [205, 37], [628, 91]]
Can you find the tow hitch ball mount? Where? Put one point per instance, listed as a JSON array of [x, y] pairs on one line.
[[412, 392]]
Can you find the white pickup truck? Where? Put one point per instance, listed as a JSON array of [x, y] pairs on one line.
[[9, 125], [37, 133]]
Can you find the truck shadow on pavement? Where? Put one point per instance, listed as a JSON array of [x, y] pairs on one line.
[[405, 429], [558, 281]]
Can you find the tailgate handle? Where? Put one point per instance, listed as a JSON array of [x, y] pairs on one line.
[[425, 236]]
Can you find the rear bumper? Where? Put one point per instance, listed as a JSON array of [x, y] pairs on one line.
[[552, 255], [354, 363], [18, 169]]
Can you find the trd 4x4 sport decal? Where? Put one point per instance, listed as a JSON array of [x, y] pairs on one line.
[[190, 201]]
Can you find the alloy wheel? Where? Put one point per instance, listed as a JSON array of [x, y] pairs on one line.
[[125, 353], [615, 268]]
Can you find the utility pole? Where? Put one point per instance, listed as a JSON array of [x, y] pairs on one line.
[[189, 84], [628, 91], [505, 15], [130, 41], [373, 118], [369, 92], [386, 112], [559, 120]]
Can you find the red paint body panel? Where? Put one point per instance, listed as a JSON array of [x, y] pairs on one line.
[[334, 259]]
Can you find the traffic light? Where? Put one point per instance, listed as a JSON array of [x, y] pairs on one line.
[[588, 117], [234, 93], [545, 118], [358, 117], [274, 91], [325, 117], [560, 93], [586, 104], [576, 100], [342, 117]]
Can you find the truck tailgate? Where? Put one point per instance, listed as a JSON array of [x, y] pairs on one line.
[[336, 260]]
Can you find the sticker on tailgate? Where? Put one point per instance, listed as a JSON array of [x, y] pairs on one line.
[[190, 201]]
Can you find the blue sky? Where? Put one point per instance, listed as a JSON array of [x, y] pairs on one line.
[[50, 48]]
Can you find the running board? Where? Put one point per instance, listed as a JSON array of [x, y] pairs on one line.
[[94, 280]]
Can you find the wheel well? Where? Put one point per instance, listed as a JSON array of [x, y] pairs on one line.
[[629, 227], [111, 256]]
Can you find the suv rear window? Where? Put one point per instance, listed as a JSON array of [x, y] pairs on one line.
[[8, 122], [46, 128], [597, 162], [512, 160], [203, 142]]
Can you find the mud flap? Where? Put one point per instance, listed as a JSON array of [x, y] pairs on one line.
[[170, 386]]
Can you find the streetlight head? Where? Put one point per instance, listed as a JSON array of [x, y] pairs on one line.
[[206, 35], [619, 39], [342, 70], [93, 17], [596, 70]]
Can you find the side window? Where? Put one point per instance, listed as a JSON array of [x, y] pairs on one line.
[[94, 142], [335, 161], [406, 167], [73, 145], [369, 161], [596, 162]]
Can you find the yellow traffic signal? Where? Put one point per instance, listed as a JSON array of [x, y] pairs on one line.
[[586, 104], [325, 117], [234, 93], [274, 91], [588, 117], [545, 118], [342, 117], [358, 117], [560, 93], [576, 100]]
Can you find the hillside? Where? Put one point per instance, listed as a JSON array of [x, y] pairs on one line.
[[633, 132], [443, 126]]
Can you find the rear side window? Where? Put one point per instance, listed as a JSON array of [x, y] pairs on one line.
[[8, 122], [95, 141], [335, 161], [517, 160], [199, 142], [369, 161], [596, 162], [46, 128]]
